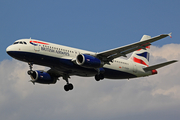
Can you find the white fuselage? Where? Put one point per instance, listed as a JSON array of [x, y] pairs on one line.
[[62, 57]]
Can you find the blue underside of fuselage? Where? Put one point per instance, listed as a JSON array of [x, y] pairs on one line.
[[66, 65]]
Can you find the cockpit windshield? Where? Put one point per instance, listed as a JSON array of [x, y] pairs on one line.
[[20, 42], [16, 42]]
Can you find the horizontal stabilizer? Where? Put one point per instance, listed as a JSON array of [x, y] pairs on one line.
[[158, 65]]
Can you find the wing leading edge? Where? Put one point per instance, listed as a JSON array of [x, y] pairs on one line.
[[109, 55]]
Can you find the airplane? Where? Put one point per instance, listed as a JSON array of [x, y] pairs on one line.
[[66, 61]]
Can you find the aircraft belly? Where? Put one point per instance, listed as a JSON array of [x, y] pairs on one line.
[[116, 74], [66, 65], [63, 65]]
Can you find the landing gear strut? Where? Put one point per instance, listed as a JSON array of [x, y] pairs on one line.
[[29, 72], [68, 86]]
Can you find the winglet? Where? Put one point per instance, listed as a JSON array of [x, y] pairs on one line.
[[170, 35]]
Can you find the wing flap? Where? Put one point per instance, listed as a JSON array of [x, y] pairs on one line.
[[158, 65]]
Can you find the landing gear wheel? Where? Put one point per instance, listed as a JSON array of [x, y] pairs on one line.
[[99, 77], [68, 87], [29, 72], [71, 86]]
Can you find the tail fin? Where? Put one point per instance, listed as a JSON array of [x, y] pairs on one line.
[[141, 56]]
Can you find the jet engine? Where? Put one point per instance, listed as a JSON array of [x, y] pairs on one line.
[[41, 77], [88, 61]]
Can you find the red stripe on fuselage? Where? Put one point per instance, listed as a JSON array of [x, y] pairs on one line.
[[40, 42], [139, 61]]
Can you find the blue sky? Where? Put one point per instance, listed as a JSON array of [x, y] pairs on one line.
[[94, 25]]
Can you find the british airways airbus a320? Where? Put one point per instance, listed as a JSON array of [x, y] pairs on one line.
[[67, 61]]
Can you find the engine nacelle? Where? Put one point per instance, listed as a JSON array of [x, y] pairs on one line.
[[42, 77], [88, 61]]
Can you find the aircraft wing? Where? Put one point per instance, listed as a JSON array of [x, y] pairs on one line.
[[158, 65], [109, 55], [54, 72], [58, 73]]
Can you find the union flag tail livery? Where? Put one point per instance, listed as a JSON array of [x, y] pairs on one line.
[[66, 61], [142, 55]]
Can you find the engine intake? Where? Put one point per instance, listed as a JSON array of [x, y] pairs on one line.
[[42, 77], [88, 61]]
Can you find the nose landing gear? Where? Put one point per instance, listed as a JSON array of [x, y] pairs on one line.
[[29, 72], [68, 85]]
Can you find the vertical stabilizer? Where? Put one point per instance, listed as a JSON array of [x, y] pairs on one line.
[[141, 56]]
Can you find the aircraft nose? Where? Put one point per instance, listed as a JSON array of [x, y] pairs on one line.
[[8, 50]]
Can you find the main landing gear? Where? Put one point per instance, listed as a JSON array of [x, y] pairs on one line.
[[99, 77], [68, 86]]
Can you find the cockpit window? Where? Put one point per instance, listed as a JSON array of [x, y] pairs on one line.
[[16, 42], [20, 42]]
